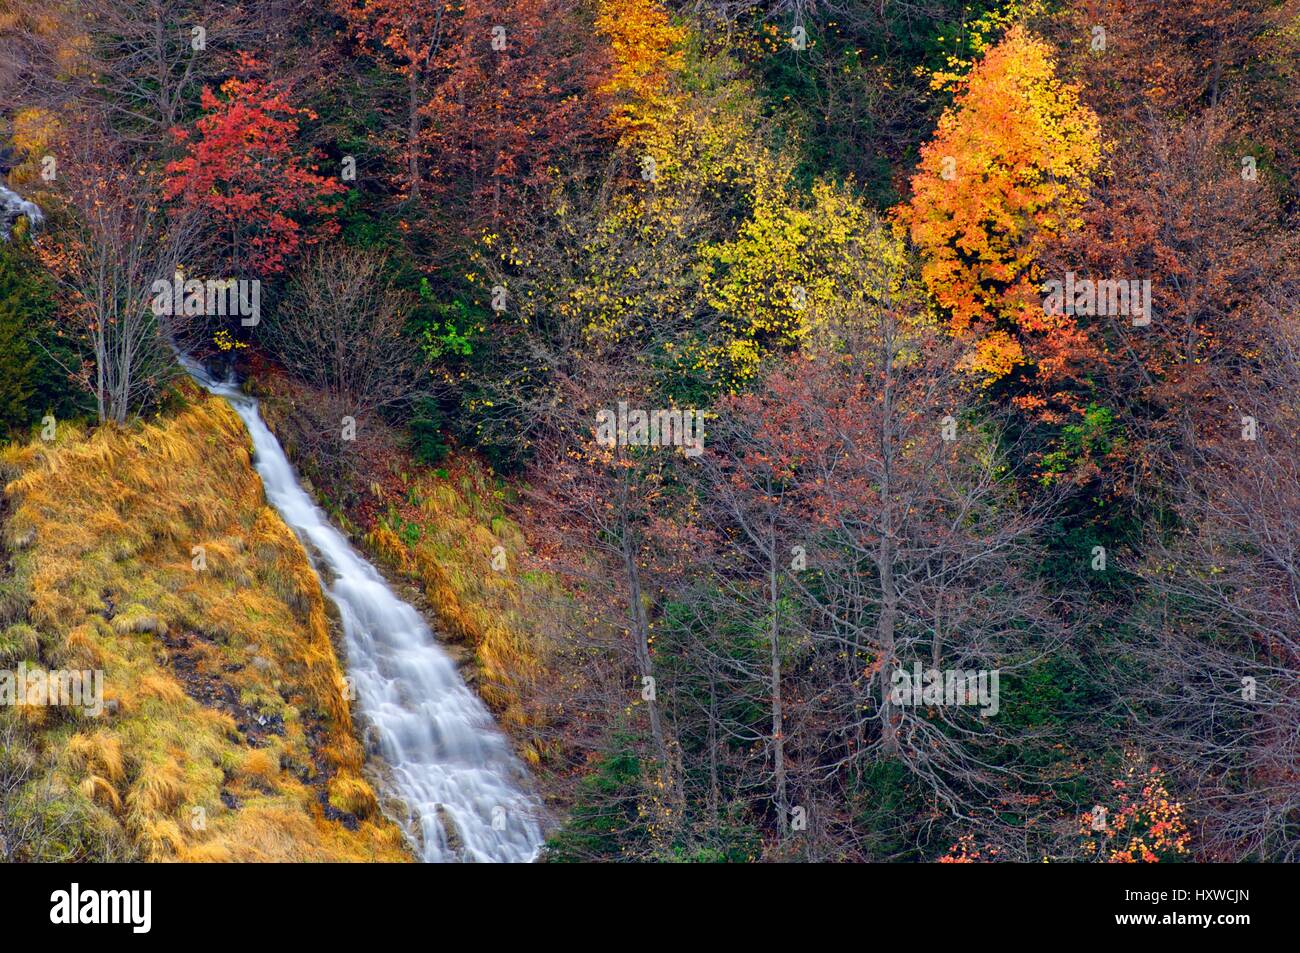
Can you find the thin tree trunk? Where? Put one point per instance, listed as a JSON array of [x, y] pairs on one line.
[[714, 792], [885, 636], [640, 624], [778, 725], [885, 555], [641, 641], [413, 129]]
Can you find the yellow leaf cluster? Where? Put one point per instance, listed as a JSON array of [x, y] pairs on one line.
[[794, 267]]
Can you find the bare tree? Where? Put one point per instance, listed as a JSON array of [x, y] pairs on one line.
[[341, 328], [153, 56], [137, 62], [1211, 678], [869, 535], [113, 245]]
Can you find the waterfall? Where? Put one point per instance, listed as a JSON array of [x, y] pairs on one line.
[[448, 762], [12, 207]]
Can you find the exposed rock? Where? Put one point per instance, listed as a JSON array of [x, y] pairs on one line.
[[184, 654], [455, 843]]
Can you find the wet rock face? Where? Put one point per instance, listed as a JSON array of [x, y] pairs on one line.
[[13, 207]]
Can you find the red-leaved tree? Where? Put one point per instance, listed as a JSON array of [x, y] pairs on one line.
[[517, 99], [244, 167]]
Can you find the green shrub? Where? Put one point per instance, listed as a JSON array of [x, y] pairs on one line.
[[33, 355], [427, 441]]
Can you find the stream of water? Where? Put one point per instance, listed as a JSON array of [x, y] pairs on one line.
[[449, 764]]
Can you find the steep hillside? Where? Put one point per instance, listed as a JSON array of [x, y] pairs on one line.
[[446, 533], [150, 554]]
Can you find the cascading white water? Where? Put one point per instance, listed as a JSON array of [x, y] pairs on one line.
[[446, 757], [13, 207]]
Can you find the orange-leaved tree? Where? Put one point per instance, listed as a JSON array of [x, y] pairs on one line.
[[646, 49], [1146, 826], [1007, 172]]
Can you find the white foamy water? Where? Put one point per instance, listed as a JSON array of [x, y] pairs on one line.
[[12, 207], [447, 760]]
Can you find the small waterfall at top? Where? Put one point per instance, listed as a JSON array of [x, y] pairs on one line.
[[13, 207], [448, 762]]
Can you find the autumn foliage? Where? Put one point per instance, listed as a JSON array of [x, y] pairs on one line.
[[244, 166], [513, 101], [826, 235], [1005, 175], [1145, 825], [645, 48]]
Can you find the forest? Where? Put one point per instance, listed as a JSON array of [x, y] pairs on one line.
[[650, 430]]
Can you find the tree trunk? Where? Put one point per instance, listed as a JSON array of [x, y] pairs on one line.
[[641, 641], [778, 725], [885, 554], [885, 638], [413, 129]]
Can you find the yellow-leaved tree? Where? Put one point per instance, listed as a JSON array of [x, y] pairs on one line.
[[793, 268]]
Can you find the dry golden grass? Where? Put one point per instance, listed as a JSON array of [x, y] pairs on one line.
[[17, 642], [439, 528], [103, 530], [352, 794], [100, 751], [509, 616]]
